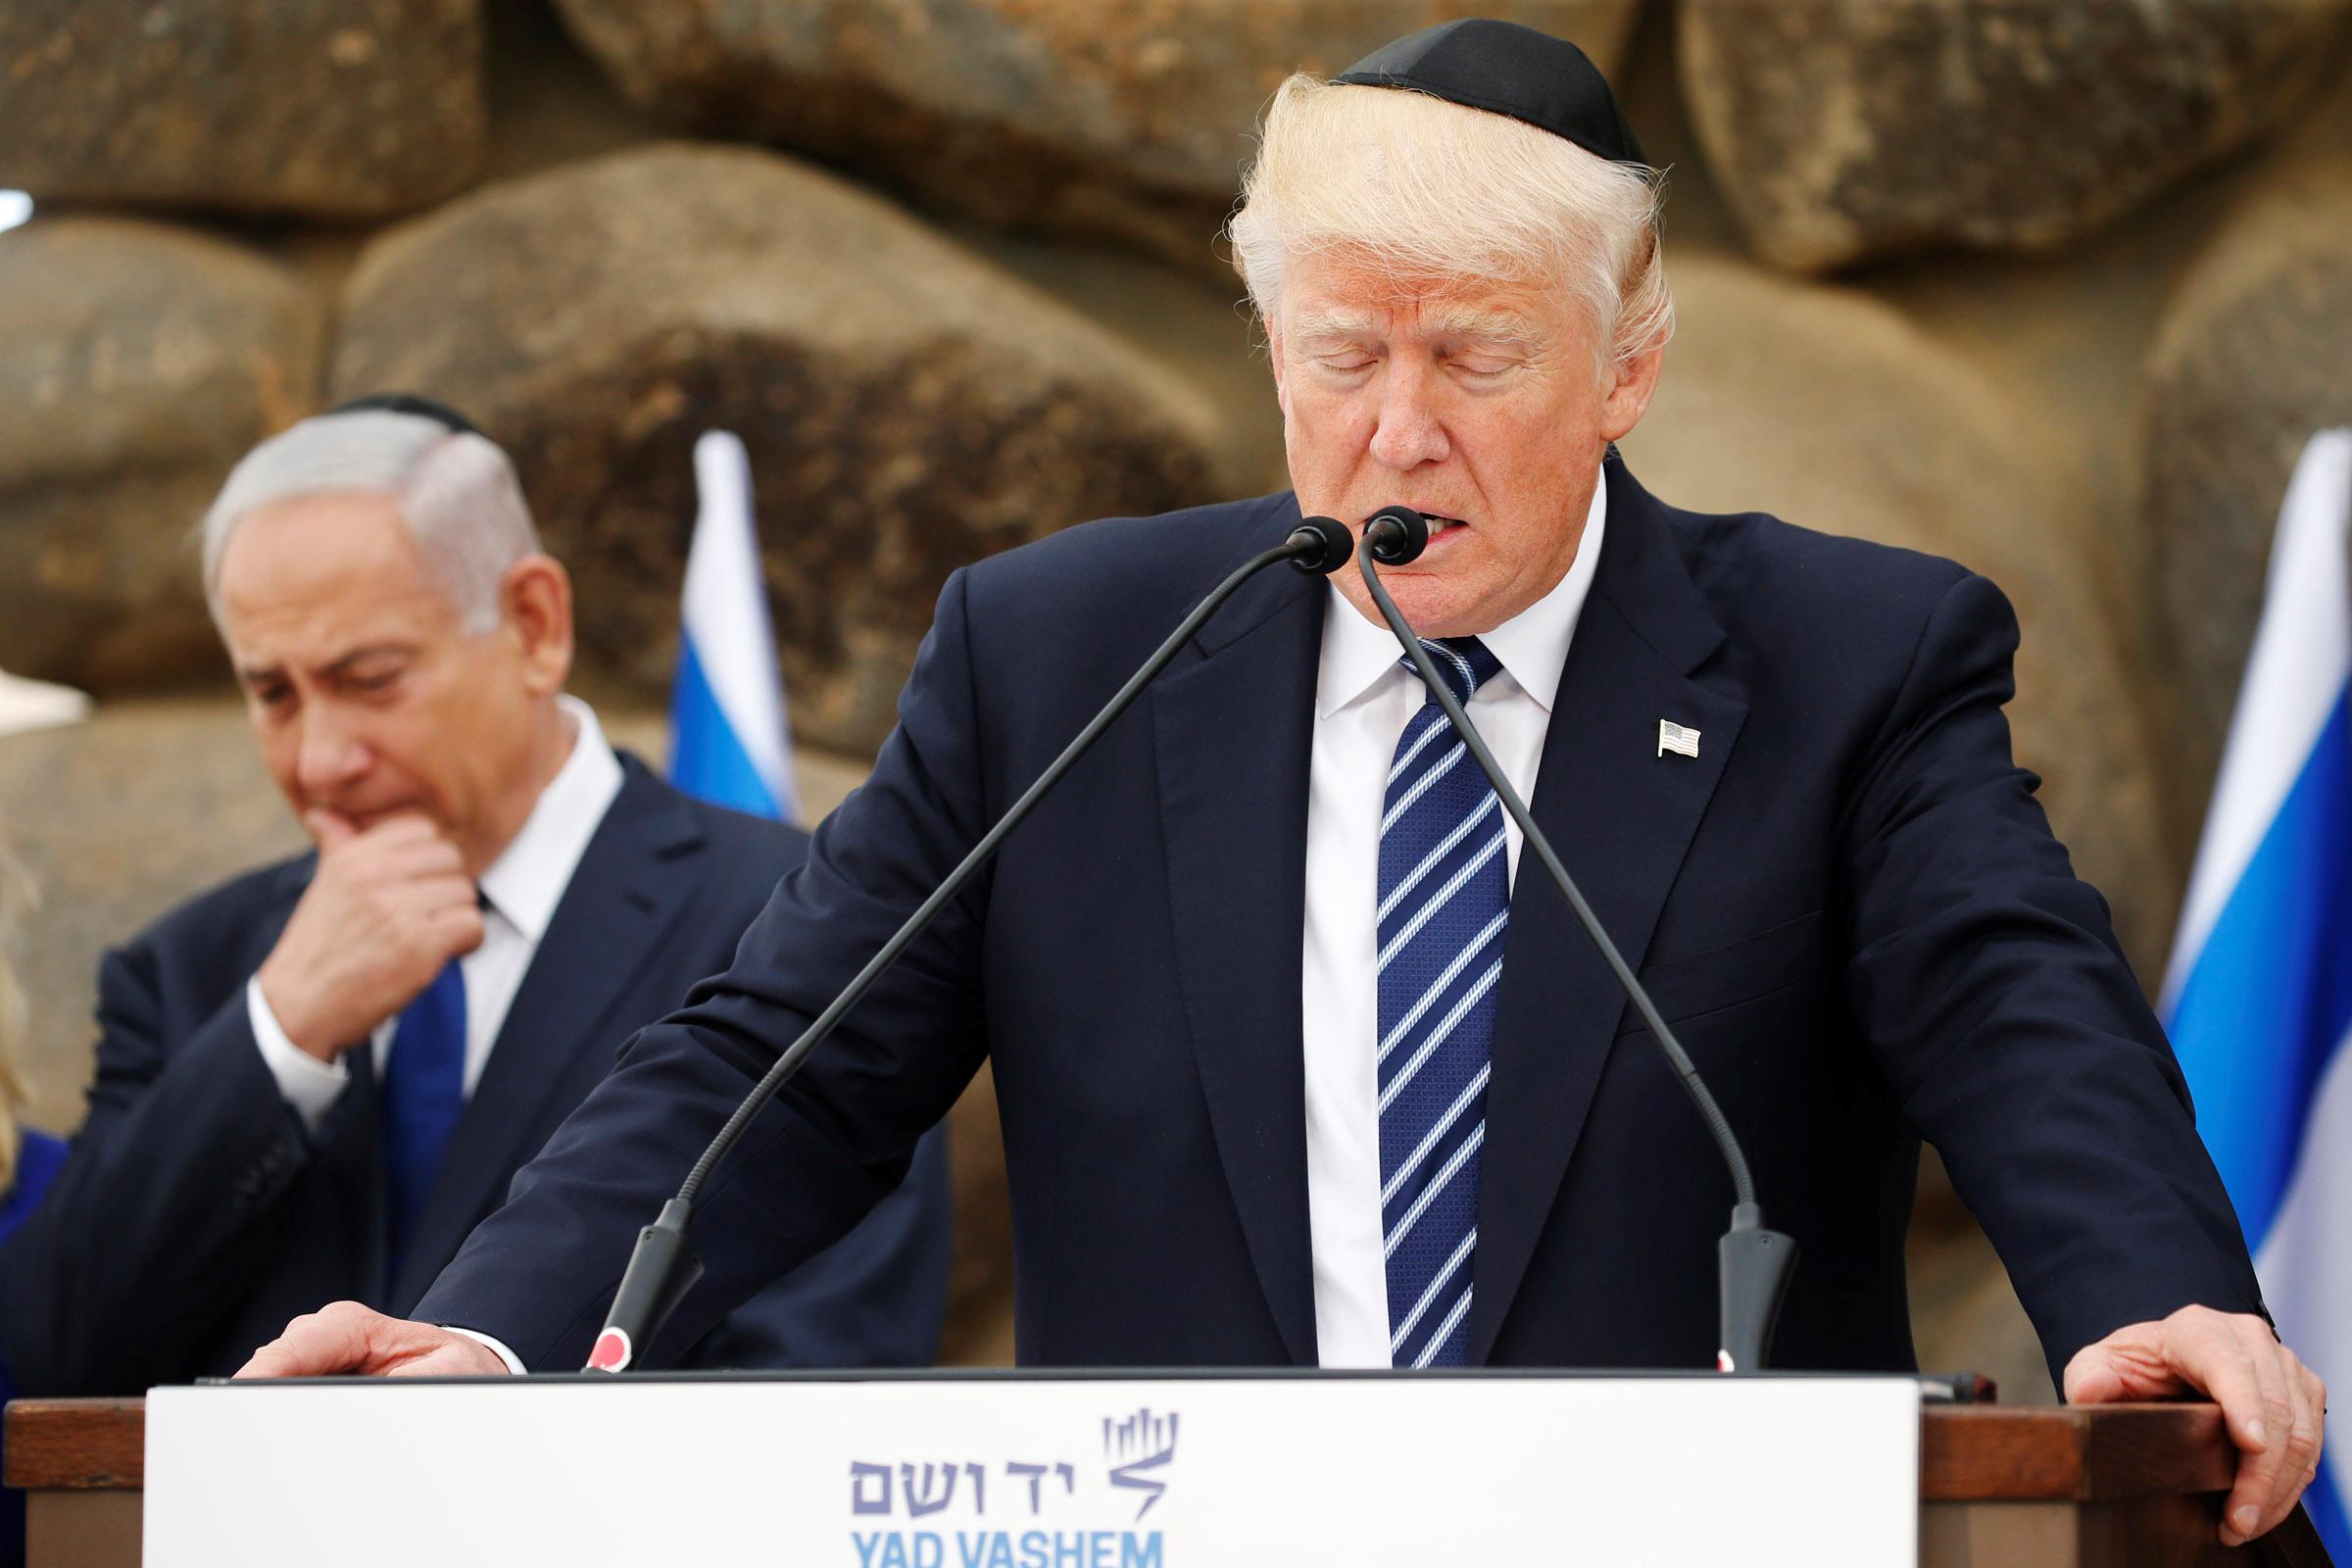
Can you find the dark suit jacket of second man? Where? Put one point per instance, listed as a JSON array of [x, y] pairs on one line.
[[195, 1215], [1849, 902]]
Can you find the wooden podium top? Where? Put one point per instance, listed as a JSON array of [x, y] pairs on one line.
[[75, 1444], [1972, 1454]]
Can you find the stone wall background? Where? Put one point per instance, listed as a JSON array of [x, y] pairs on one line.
[[2056, 289]]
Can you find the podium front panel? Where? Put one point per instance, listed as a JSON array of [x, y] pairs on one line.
[[946, 1472]]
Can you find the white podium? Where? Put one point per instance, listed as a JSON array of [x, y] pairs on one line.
[[1031, 1471]]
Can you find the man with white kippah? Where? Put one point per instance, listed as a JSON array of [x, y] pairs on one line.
[[313, 1081], [1296, 1066]]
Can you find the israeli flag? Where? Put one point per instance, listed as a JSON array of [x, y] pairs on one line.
[[2259, 995], [728, 740]]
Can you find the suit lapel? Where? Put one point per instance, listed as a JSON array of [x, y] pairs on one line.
[[1621, 818], [1233, 730], [623, 896]]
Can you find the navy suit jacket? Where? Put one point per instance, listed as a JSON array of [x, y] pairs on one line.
[[195, 1215], [1849, 903]]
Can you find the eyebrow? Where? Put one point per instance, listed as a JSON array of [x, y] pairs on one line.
[[255, 674], [1501, 328], [1332, 325]]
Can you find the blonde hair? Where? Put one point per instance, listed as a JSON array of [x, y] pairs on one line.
[[1426, 192], [15, 900]]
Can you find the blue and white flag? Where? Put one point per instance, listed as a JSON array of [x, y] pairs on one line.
[[2258, 1000], [728, 740]]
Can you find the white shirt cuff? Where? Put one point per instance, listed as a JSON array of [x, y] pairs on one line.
[[308, 1084], [514, 1361]]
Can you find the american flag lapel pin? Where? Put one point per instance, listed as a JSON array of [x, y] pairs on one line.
[[1673, 737]]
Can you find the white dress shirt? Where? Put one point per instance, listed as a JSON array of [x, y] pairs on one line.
[[1364, 697], [522, 889]]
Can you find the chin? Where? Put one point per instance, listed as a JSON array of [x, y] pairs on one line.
[[1430, 605]]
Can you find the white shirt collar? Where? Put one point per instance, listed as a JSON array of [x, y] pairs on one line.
[[1531, 644], [529, 878]]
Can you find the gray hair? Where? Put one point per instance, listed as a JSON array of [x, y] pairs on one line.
[[456, 491], [1426, 192]]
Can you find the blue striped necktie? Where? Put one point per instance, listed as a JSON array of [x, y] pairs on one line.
[[1445, 901], [423, 1094]]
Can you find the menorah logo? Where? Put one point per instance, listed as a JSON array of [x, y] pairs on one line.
[[1140, 1449]]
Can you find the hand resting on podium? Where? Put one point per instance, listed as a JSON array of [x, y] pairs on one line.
[[345, 1337], [2275, 1406]]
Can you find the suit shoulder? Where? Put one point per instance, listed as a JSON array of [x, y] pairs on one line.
[[759, 843], [646, 796], [1754, 566], [732, 850]]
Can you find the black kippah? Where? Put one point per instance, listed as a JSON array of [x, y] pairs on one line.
[[409, 403], [1509, 70]]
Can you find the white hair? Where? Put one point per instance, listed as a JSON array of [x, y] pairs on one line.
[[1423, 193], [456, 492]]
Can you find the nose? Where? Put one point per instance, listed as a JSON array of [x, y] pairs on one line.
[[1410, 432], [331, 753]]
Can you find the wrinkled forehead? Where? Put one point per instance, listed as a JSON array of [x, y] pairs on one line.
[[1332, 301], [314, 569]]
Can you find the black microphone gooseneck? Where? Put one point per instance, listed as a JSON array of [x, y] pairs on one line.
[[664, 1267], [1752, 1263]]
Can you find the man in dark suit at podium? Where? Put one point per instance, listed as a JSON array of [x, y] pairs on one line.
[[1293, 1069], [313, 1081]]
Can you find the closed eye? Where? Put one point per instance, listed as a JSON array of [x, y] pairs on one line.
[[1483, 361], [372, 684]]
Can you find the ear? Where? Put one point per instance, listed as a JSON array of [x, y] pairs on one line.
[[1634, 382], [535, 609]]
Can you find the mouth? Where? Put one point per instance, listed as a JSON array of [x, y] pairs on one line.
[[365, 819], [1443, 531], [1445, 535]]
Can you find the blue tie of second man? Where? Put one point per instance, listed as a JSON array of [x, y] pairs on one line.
[[423, 1094], [1444, 902]]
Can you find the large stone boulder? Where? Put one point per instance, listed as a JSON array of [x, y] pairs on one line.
[[1845, 128], [909, 408], [138, 363], [1074, 115], [1835, 412], [340, 108], [2249, 361]]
